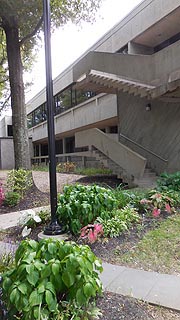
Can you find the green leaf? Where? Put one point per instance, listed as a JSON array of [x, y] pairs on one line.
[[50, 300], [46, 272], [33, 277], [22, 288], [52, 248], [80, 298], [50, 287], [35, 298], [68, 279], [89, 290], [55, 268], [13, 295]]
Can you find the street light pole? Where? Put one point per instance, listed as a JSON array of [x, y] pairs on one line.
[[53, 228]]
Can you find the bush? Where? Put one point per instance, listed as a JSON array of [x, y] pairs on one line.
[[19, 181], [12, 198], [120, 222], [169, 181], [80, 205], [51, 280]]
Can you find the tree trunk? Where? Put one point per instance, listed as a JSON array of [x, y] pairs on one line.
[[19, 117]]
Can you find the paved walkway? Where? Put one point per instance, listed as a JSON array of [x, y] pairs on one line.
[[153, 287]]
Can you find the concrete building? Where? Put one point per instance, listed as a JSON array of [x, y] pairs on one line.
[[6, 143], [119, 103]]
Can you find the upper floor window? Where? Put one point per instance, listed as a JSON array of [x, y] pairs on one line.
[[63, 101]]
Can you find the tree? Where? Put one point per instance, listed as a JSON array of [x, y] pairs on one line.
[[21, 21]]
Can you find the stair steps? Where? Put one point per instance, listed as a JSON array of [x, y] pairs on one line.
[[148, 179]]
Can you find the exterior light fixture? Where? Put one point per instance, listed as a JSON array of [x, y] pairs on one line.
[[53, 228], [148, 107]]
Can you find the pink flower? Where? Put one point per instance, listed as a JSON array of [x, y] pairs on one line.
[[156, 212], [168, 208]]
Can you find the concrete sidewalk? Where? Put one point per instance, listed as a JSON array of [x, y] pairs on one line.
[[153, 287]]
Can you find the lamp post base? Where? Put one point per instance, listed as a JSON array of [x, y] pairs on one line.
[[53, 229]]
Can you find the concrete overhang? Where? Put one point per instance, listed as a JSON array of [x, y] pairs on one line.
[[101, 82], [161, 31], [111, 83]]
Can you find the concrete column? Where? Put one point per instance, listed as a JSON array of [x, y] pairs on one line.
[[64, 145], [135, 48]]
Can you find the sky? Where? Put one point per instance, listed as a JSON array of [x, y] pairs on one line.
[[69, 42]]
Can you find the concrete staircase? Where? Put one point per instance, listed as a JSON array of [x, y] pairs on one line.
[[148, 180]]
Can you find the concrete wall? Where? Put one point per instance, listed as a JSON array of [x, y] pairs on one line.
[[6, 153], [93, 111], [145, 15], [157, 130], [4, 122]]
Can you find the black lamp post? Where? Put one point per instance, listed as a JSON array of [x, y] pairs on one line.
[[53, 228]]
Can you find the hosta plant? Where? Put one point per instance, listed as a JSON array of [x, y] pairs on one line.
[[50, 276], [80, 205], [120, 222]]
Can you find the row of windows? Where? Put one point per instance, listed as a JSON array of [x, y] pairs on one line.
[[62, 102]]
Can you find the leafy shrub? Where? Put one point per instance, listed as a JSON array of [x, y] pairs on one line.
[[19, 181], [80, 205], [158, 202], [66, 167], [120, 222], [169, 181], [129, 197], [12, 198], [51, 280]]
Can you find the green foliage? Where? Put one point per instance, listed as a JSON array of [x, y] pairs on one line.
[[169, 181], [129, 197], [12, 198], [120, 222], [93, 171], [6, 261], [157, 202], [51, 280], [19, 181], [80, 205]]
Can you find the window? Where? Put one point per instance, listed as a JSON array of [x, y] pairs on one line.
[[63, 101], [9, 130]]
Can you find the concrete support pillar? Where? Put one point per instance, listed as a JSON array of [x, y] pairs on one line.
[[64, 145]]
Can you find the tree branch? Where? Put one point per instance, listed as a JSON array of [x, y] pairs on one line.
[[31, 34]]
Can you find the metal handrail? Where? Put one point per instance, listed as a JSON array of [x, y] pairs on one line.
[[145, 149]]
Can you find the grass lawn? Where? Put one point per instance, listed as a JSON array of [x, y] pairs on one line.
[[158, 250]]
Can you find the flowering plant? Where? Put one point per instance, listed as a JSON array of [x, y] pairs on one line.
[[157, 203]]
